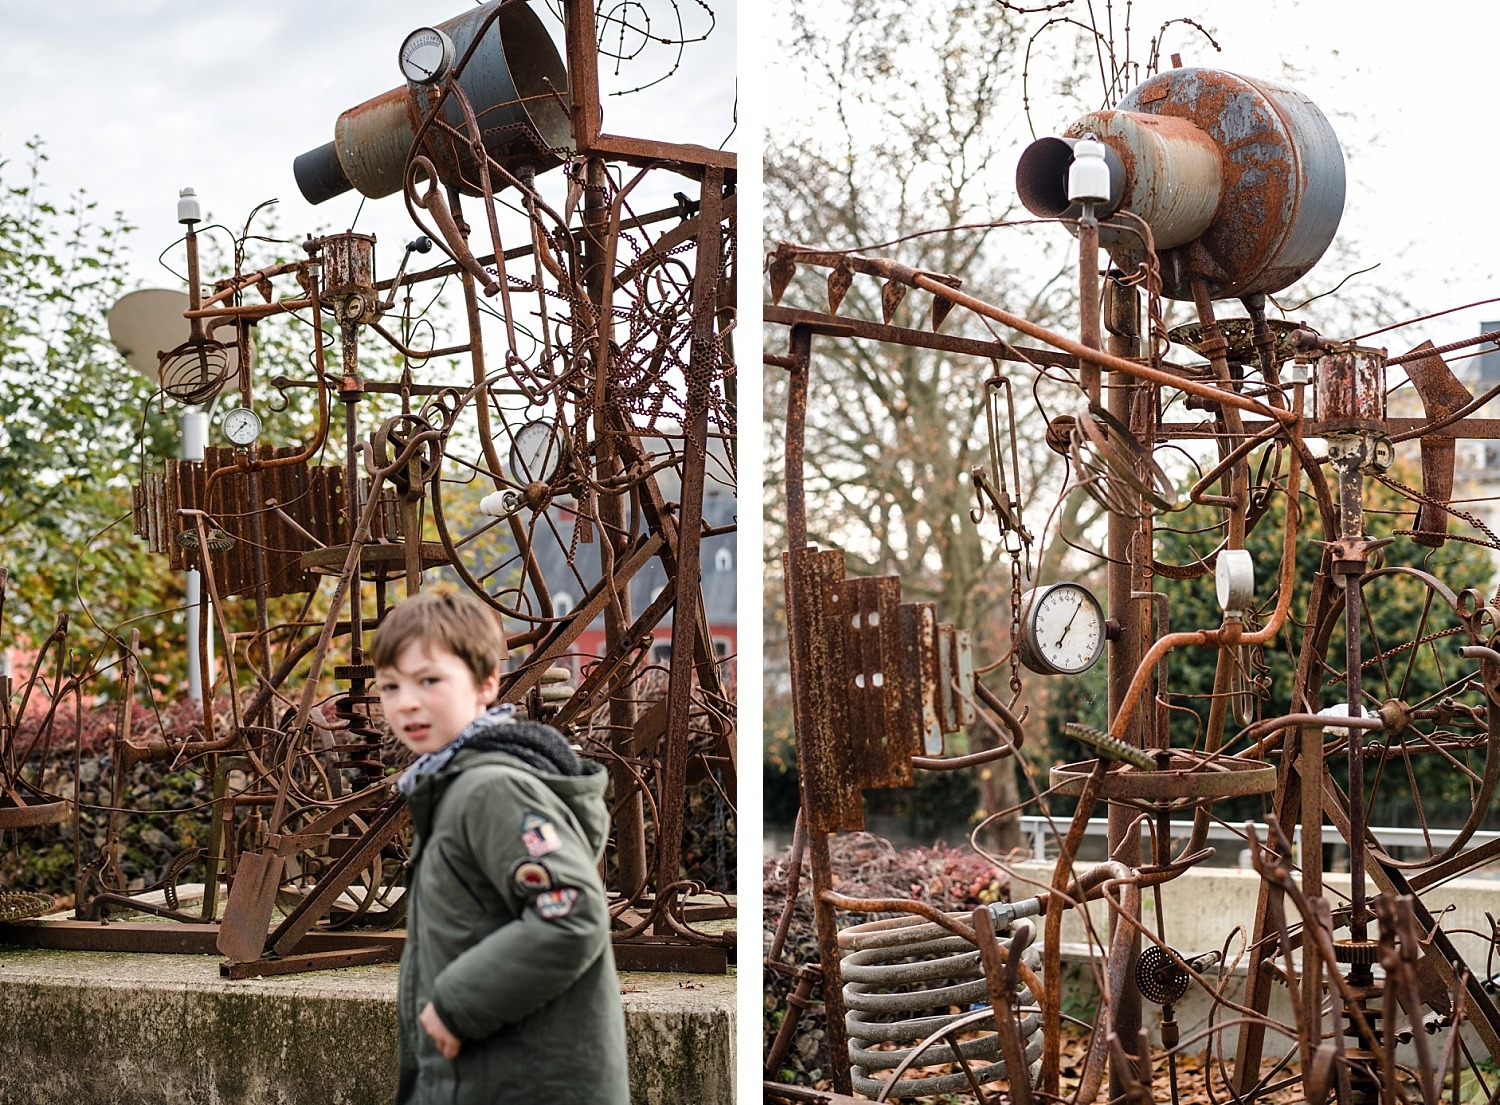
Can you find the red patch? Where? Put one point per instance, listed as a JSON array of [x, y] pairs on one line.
[[530, 877]]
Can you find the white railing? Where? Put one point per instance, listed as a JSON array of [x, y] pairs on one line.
[[1039, 830]]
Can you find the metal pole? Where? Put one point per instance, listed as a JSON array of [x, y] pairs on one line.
[[1126, 402], [194, 423]]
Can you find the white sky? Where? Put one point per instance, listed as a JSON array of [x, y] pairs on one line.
[[135, 99], [1410, 93]]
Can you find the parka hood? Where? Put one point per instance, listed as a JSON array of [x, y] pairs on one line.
[[583, 793]]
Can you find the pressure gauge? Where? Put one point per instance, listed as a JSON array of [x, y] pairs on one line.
[[1062, 629], [536, 452], [1234, 575], [426, 55], [241, 426]]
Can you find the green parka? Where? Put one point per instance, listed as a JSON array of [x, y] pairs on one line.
[[508, 936]]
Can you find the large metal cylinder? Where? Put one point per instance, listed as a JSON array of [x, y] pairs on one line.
[[1349, 391], [1240, 179], [516, 84], [1171, 174]]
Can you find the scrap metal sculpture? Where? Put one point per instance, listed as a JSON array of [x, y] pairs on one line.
[[563, 446], [1203, 186]]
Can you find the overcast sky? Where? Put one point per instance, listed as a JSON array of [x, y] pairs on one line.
[[1410, 93], [135, 99]]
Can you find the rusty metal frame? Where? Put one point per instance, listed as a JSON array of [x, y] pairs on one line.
[[316, 823], [1287, 753]]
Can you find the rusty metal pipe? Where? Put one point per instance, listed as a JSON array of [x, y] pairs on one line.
[[523, 120], [1102, 359], [1051, 999], [1088, 302], [1231, 633], [796, 1002], [927, 282], [256, 463], [1116, 975]]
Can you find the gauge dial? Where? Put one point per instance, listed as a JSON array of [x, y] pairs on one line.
[[1234, 578], [536, 452], [1062, 629], [241, 426], [426, 55]]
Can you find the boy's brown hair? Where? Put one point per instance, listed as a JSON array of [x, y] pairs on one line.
[[456, 622]]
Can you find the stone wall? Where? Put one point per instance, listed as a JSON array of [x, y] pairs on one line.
[[117, 1029]]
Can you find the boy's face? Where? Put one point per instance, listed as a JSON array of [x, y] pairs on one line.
[[429, 695]]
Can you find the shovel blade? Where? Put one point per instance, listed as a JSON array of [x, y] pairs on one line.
[[252, 901]]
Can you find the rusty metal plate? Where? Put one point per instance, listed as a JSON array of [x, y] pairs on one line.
[[48, 811], [919, 657], [283, 524], [375, 561], [655, 953], [1186, 780], [947, 647], [881, 738], [310, 961], [261, 545], [831, 796], [963, 676]]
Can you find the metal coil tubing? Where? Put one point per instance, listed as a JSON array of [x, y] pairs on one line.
[[902, 979]]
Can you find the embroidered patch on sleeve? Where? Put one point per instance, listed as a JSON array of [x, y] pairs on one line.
[[554, 905], [538, 835], [529, 877]]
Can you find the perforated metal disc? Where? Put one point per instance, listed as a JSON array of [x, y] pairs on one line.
[[1240, 334], [1159, 979]]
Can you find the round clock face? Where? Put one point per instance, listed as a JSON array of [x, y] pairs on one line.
[[426, 55], [241, 426], [1062, 629], [536, 452]]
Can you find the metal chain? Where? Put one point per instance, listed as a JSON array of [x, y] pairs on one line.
[[1391, 654], [1395, 484]]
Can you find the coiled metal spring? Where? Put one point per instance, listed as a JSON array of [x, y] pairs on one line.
[[902, 978]]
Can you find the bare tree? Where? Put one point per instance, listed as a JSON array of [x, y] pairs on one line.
[[903, 145]]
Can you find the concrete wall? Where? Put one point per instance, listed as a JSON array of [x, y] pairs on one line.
[[116, 1029]]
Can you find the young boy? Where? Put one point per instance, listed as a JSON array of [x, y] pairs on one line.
[[508, 989]]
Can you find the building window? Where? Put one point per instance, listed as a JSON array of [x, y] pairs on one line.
[[562, 603], [722, 647], [723, 561], [662, 654]]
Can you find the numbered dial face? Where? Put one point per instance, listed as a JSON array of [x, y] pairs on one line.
[[536, 452], [1062, 629], [241, 426], [426, 55]]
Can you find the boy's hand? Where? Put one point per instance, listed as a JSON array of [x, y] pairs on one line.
[[447, 1043]]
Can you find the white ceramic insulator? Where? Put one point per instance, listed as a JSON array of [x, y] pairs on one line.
[[188, 210], [1335, 712], [1088, 175], [499, 504]]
